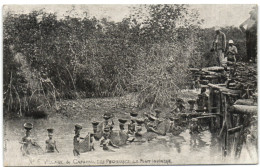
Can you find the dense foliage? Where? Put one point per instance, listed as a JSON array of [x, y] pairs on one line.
[[148, 52]]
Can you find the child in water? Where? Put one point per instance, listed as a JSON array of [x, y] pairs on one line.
[[105, 142], [76, 140], [50, 143]]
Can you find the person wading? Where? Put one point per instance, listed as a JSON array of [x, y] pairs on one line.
[[28, 143], [76, 140], [50, 143]]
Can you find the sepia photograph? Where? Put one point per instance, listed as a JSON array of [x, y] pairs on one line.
[[129, 84]]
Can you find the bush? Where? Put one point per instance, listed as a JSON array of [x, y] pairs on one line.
[[86, 57]]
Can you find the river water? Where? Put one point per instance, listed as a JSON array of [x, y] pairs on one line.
[[164, 150]]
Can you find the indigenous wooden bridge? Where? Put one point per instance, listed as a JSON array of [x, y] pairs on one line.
[[231, 105]]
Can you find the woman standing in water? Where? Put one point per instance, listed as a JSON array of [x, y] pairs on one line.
[[27, 141]]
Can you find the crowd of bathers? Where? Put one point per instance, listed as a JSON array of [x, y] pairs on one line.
[[141, 128]]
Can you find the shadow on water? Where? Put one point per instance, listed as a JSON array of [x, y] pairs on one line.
[[203, 148]]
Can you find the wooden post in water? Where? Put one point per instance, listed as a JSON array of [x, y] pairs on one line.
[[209, 108], [219, 109], [224, 107], [228, 122]]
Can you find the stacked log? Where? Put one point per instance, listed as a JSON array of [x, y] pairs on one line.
[[244, 109], [208, 75], [214, 74], [245, 79]]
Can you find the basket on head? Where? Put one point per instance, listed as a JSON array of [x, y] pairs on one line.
[[107, 116], [133, 114], [28, 126], [95, 123], [139, 121], [77, 127], [122, 121]]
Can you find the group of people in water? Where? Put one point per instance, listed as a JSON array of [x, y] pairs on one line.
[[173, 122], [27, 141]]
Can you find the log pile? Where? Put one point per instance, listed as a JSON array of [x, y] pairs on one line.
[[240, 76], [244, 79], [208, 75]]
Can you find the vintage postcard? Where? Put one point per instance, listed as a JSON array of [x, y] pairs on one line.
[[162, 84]]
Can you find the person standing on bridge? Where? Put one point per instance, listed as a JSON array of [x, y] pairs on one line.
[[219, 45], [231, 51]]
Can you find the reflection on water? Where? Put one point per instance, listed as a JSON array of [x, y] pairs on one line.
[[202, 148]]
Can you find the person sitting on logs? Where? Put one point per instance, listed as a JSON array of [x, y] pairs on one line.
[[50, 143], [27, 140], [197, 82], [192, 106], [202, 101], [106, 142], [179, 107]]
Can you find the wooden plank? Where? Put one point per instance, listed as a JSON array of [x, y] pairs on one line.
[[208, 116], [224, 89], [249, 102], [214, 68], [194, 69], [235, 129], [231, 94], [216, 86], [210, 76], [243, 109]]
